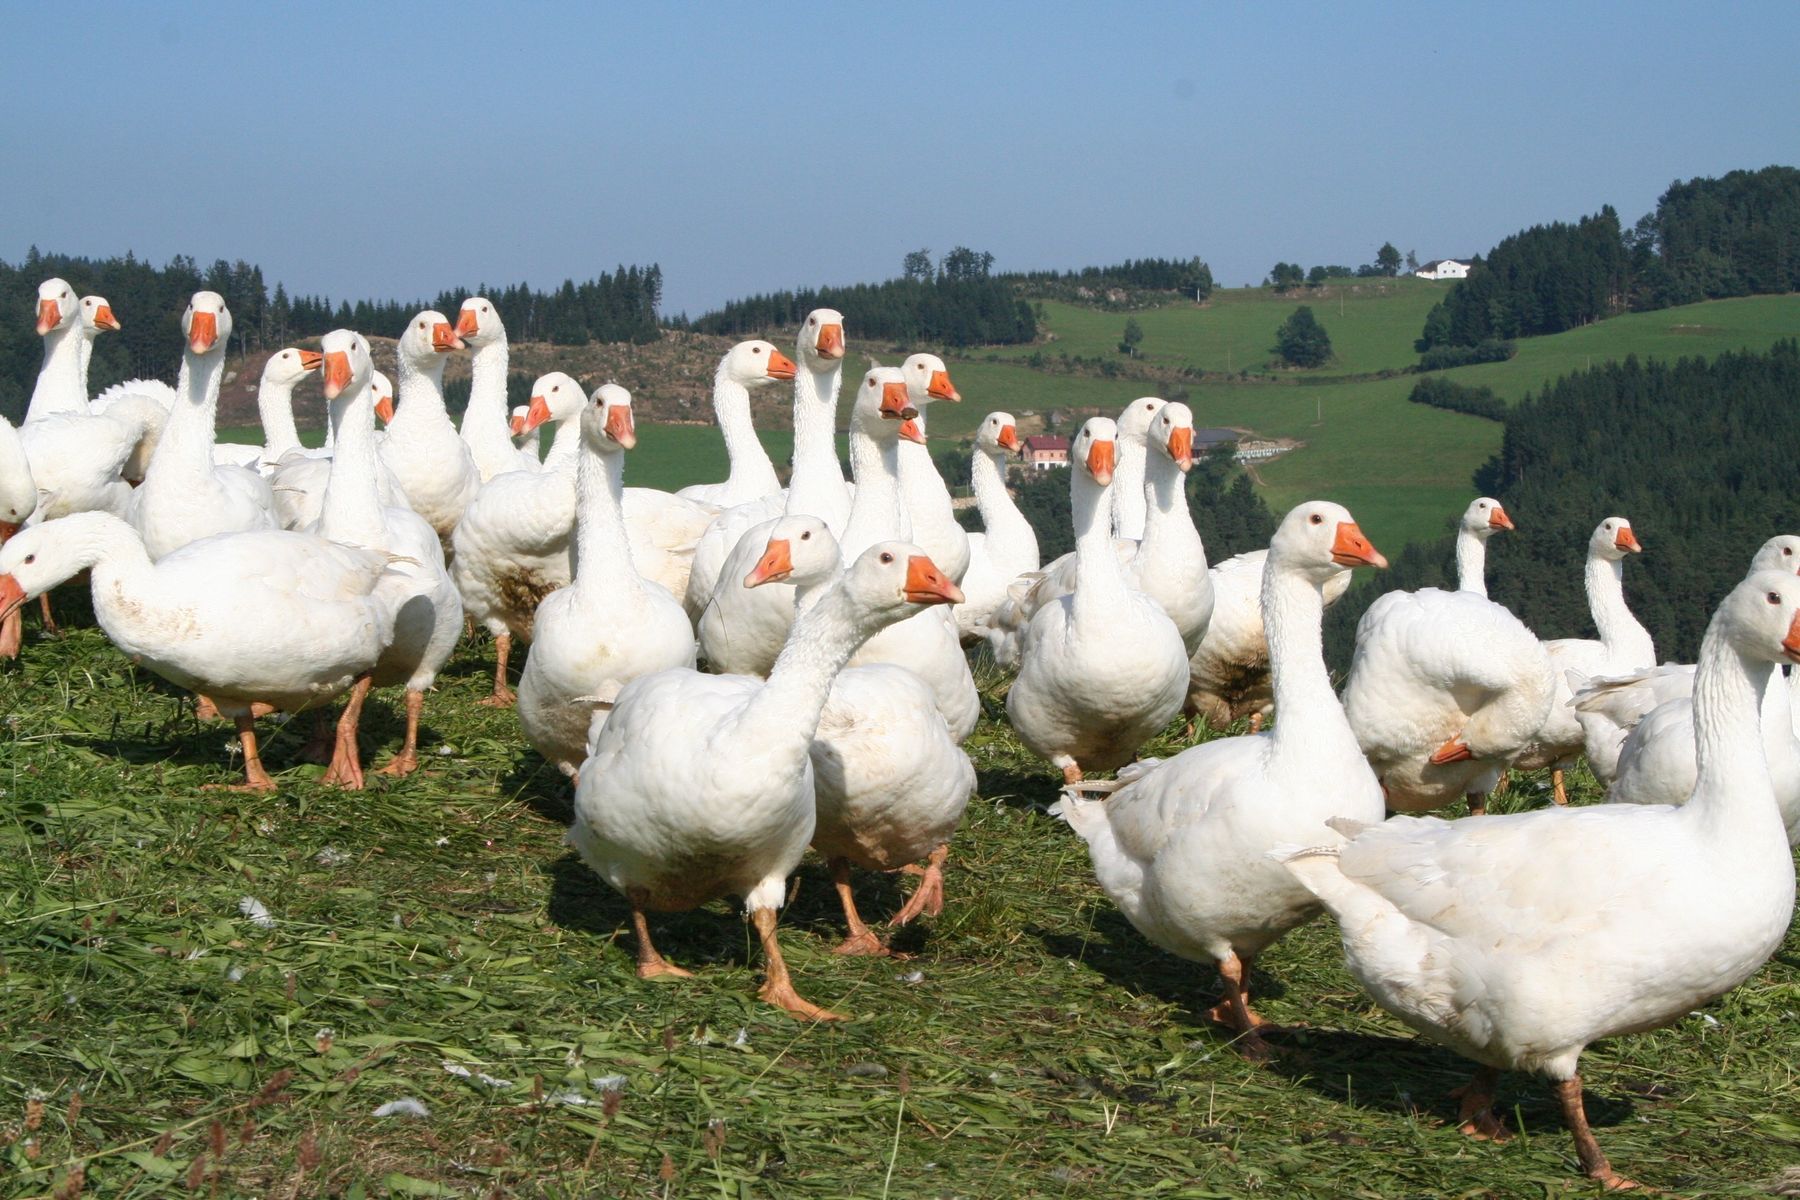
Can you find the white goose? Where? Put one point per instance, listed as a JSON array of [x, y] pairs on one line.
[[609, 625], [18, 497], [1446, 687], [1180, 844], [1624, 645], [512, 544], [484, 422], [701, 786], [1007, 547], [422, 448], [890, 782], [1498, 937], [1102, 669], [298, 475], [419, 602], [266, 617], [59, 388], [746, 365], [927, 498], [185, 495]]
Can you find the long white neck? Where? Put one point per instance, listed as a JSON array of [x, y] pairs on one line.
[[603, 565], [1000, 517], [120, 568], [752, 474], [1310, 718], [921, 486], [185, 449], [87, 356], [1627, 642], [784, 715], [59, 383], [351, 511], [418, 395], [817, 487], [1471, 562], [1128, 507], [275, 409], [810, 592], [876, 513], [1099, 579], [1170, 538], [484, 422], [1732, 793], [565, 445]]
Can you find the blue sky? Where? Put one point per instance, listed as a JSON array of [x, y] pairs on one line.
[[359, 149]]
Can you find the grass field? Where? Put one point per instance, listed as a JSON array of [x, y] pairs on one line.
[[433, 939]]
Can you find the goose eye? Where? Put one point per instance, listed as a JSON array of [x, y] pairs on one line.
[[1787, 550], [30, 558], [1317, 519], [1774, 598], [885, 557], [556, 387], [807, 536], [484, 308], [421, 324], [756, 349], [812, 320]]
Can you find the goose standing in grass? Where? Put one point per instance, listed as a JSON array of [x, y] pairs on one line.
[[185, 495], [701, 786], [422, 447], [1007, 546], [609, 625], [1624, 645], [419, 601], [1180, 844], [1498, 937], [1447, 687], [891, 783], [484, 428], [747, 365], [1101, 669]]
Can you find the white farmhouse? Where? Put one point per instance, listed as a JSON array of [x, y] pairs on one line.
[[1445, 268]]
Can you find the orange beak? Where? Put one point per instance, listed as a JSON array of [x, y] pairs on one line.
[[619, 426], [536, 415], [894, 402], [1181, 446], [1351, 549], [1455, 750], [104, 319], [517, 424], [776, 564], [781, 366], [1009, 438], [384, 408], [925, 584], [444, 339], [909, 429], [1498, 519], [8, 529], [1100, 462], [1627, 540], [831, 341], [940, 387], [337, 374], [49, 316], [466, 323], [203, 331], [1790, 643], [12, 596], [311, 360]]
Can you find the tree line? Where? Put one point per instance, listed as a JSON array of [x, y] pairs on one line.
[[1286, 276], [1707, 239], [1696, 454], [1192, 277]]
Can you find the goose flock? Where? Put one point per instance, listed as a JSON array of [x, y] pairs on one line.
[[836, 618]]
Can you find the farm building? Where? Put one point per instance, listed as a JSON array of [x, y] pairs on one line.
[[1445, 268], [1046, 450]]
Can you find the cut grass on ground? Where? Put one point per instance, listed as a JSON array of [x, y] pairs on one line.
[[434, 939]]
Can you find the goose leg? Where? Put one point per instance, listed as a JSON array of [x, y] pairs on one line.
[[1476, 1109], [255, 778], [1256, 722], [44, 607], [346, 760], [323, 739], [650, 964], [502, 696], [928, 897], [1587, 1149], [205, 709], [1558, 793], [1477, 804], [861, 939], [778, 985], [407, 761], [1071, 772], [1233, 1010]]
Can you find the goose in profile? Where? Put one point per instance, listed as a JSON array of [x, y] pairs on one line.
[[422, 448], [747, 365], [484, 428], [1007, 546]]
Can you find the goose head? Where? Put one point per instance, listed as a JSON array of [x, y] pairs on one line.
[[56, 306], [1171, 431], [928, 379], [97, 316], [1134, 418], [1762, 616], [428, 337], [821, 337], [1779, 553], [1094, 451], [606, 423], [800, 550], [1321, 541], [478, 322], [555, 397], [1613, 540], [383, 389], [998, 435], [206, 324], [288, 367], [882, 408], [893, 580], [347, 363], [1485, 517], [32, 561], [755, 363]]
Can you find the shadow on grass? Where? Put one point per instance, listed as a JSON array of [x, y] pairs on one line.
[[580, 901]]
